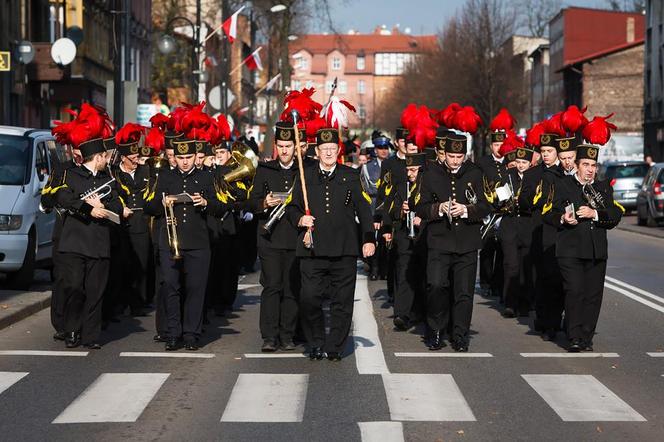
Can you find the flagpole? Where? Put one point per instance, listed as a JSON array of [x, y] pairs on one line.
[[244, 61], [266, 84]]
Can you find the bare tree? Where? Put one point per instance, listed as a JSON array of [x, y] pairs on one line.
[[533, 16], [627, 5]]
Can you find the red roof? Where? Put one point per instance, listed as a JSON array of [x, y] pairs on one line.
[[369, 43]]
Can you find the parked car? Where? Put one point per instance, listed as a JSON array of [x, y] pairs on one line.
[[626, 178], [25, 232], [650, 200]]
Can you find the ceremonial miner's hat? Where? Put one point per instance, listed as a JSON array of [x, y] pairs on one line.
[[170, 136], [91, 147], [222, 145], [327, 135], [456, 143], [587, 152], [128, 139], [566, 144], [498, 137], [284, 131], [523, 153], [548, 140], [500, 125], [511, 156], [401, 133], [441, 138], [415, 159], [184, 146]]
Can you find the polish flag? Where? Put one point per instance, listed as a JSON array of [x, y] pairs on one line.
[[253, 61], [230, 25]]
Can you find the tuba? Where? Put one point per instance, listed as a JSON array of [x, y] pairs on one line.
[[243, 162]]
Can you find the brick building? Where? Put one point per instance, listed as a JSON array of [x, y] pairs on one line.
[[365, 65], [654, 81]]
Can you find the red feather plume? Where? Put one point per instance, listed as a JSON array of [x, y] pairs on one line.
[[511, 143], [573, 119], [224, 127], [160, 120], [533, 134], [446, 116], [129, 133], [302, 102], [313, 126], [598, 131], [421, 127], [408, 115], [554, 125], [155, 139], [467, 120], [502, 121]]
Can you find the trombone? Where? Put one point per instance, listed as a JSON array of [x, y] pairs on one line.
[[171, 228]]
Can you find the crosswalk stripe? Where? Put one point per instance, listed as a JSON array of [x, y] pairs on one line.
[[42, 353], [570, 355], [425, 397], [581, 398], [369, 356], [165, 354], [381, 431], [9, 378], [659, 354], [274, 355], [262, 397], [422, 354], [113, 397]]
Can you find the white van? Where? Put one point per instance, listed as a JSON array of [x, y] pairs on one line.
[[25, 232]]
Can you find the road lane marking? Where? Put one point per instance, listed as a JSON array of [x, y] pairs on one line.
[[381, 431], [274, 355], [659, 354], [421, 354], [9, 378], [581, 398], [262, 397], [369, 356], [42, 353], [636, 298], [247, 286], [165, 354], [570, 355], [113, 397], [425, 397], [636, 289]]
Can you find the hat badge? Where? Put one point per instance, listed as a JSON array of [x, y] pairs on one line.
[[521, 153], [326, 136], [134, 149], [564, 144], [546, 139], [182, 148], [592, 152], [285, 134]]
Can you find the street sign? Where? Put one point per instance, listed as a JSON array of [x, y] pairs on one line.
[[5, 61]]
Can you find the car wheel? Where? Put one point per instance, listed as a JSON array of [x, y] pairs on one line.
[[640, 221], [650, 221], [22, 279]]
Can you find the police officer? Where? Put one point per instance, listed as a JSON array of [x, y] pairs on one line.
[[190, 260], [582, 211], [276, 242], [84, 247], [453, 204], [335, 197]]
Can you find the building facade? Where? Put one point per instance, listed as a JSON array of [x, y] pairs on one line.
[[365, 66], [653, 128]]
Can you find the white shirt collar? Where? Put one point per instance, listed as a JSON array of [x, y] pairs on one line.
[[287, 166], [400, 155], [127, 172], [93, 172], [576, 176], [498, 160], [331, 171]]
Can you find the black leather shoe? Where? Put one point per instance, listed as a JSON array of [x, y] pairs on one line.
[[72, 340], [158, 338], [269, 346], [400, 323], [288, 345], [172, 344], [508, 313], [59, 336], [587, 346], [549, 335], [574, 346], [460, 345], [436, 341], [92, 345], [334, 356], [316, 354], [191, 346]]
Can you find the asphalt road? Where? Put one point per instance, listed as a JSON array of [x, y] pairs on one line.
[[512, 386]]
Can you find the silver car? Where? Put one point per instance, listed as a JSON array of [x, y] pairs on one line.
[[25, 232], [626, 178], [650, 202]]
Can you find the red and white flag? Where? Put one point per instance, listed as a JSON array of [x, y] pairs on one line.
[[253, 61], [230, 25]]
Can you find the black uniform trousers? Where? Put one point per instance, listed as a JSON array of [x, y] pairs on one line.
[[83, 280], [409, 281], [224, 273], [516, 273], [184, 305], [57, 295], [549, 295], [583, 281], [113, 293], [450, 289], [135, 256], [491, 263], [334, 276], [379, 261], [279, 300]]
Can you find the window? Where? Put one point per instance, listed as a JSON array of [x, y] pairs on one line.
[[391, 64], [328, 86], [41, 161], [343, 86], [308, 84], [360, 62], [361, 87], [295, 85], [336, 63], [301, 62], [361, 112]]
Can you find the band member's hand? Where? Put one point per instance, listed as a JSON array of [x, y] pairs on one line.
[[368, 249], [199, 200], [306, 221], [585, 212], [98, 212], [95, 202], [127, 212], [387, 237], [271, 201], [444, 207], [568, 218], [457, 209], [168, 200], [404, 207], [376, 226], [417, 221]]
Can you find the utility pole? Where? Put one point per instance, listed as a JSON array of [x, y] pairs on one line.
[[118, 93], [196, 68], [225, 50]]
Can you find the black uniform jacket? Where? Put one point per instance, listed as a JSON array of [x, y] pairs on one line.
[[392, 173], [271, 177], [587, 239], [334, 202], [516, 223], [192, 229], [495, 174], [438, 185], [396, 222], [132, 194], [537, 192], [234, 196], [81, 233], [48, 201]]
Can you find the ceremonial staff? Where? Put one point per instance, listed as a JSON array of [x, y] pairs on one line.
[[308, 236]]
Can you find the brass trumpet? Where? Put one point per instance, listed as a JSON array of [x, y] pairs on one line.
[[99, 192], [171, 228]]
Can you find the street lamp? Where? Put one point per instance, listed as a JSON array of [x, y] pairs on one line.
[[167, 45]]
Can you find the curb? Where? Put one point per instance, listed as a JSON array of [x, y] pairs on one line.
[[24, 311], [640, 232]]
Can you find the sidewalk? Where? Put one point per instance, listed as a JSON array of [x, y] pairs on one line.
[[628, 224], [17, 305]]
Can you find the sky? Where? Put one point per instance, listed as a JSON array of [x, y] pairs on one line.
[[421, 16]]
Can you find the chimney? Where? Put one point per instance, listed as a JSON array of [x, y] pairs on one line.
[[630, 29]]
